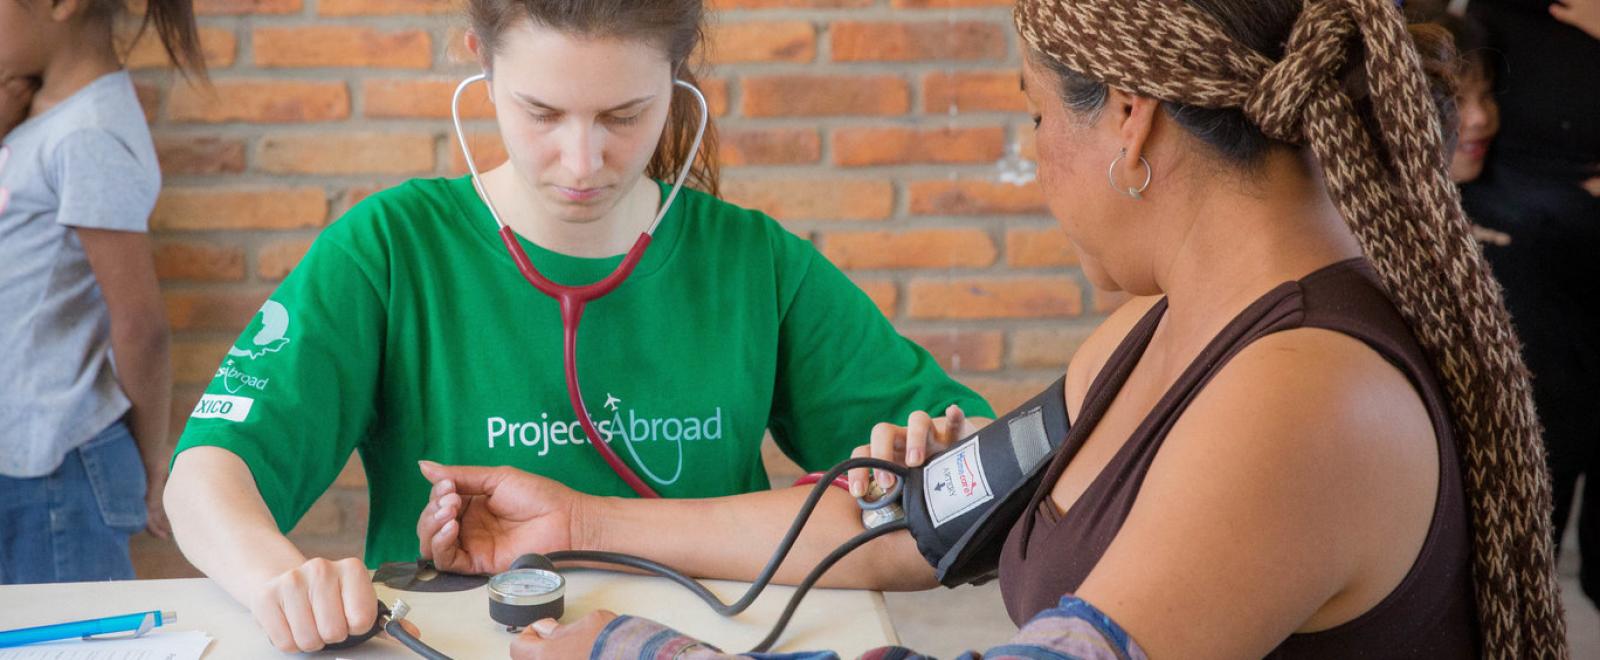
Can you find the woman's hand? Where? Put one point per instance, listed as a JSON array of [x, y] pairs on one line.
[[317, 603], [480, 519], [909, 445], [548, 639], [1581, 14]]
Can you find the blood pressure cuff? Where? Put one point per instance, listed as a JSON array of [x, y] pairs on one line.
[[964, 500]]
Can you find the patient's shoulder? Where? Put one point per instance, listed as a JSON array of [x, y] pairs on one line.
[[1323, 396], [1096, 349]]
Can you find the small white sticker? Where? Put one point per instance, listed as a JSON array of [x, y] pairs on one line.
[[222, 406], [954, 483]]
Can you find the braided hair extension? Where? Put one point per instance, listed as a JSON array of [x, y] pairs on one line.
[[1383, 158]]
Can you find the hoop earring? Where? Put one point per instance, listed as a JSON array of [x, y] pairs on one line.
[[1111, 175]]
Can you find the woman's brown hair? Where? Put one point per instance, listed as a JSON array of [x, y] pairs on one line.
[[1345, 78], [677, 26]]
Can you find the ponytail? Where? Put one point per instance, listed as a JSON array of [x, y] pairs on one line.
[[683, 120]]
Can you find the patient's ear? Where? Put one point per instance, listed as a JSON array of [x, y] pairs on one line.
[[1133, 117]]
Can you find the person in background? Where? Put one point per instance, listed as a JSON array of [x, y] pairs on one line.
[[85, 379], [1538, 187], [1477, 113]]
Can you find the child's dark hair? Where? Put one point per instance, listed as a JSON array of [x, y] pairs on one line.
[[1472, 46], [174, 24]]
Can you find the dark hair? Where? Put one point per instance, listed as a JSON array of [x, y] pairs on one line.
[[174, 23], [1442, 68], [1264, 25], [1472, 46], [676, 26], [1424, 11]]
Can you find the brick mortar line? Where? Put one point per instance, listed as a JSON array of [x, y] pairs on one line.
[[439, 26], [912, 73], [881, 12], [893, 174], [440, 41], [921, 121], [924, 122]]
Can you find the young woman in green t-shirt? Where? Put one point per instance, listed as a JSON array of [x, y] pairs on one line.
[[407, 333]]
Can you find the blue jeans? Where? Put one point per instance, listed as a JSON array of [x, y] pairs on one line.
[[73, 524]]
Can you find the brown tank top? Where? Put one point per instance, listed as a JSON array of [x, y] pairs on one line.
[[1431, 614]]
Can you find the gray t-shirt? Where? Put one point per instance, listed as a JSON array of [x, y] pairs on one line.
[[87, 162]]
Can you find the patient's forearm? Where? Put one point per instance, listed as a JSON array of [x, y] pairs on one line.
[[222, 525], [733, 538]]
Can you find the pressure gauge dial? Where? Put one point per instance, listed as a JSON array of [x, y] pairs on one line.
[[526, 594]]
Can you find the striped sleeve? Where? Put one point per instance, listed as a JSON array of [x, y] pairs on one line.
[[1073, 630]]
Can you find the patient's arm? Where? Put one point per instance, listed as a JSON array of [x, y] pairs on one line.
[[1073, 629], [479, 520]]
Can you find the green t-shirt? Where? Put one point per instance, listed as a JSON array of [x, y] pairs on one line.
[[407, 333]]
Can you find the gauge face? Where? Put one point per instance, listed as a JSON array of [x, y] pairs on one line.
[[526, 582]]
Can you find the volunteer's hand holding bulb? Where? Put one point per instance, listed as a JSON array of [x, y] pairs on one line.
[[910, 445]]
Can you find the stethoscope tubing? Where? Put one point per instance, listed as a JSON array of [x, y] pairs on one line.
[[572, 299], [779, 554], [391, 624]]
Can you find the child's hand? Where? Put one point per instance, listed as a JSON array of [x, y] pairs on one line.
[[16, 94]]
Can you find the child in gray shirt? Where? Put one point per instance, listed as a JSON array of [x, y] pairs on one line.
[[85, 379]]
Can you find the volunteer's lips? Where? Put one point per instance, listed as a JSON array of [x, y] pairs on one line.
[[579, 194]]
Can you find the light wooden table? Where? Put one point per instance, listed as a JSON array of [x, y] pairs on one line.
[[458, 624]]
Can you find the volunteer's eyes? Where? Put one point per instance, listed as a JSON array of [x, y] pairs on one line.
[[614, 120], [624, 120], [1036, 120]]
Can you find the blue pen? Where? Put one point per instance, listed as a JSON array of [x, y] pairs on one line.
[[139, 623]]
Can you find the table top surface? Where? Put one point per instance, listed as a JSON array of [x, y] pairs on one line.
[[458, 624]]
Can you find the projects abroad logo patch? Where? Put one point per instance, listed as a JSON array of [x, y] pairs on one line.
[[626, 424], [271, 326], [268, 332]]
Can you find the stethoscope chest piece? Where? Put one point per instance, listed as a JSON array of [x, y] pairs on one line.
[[531, 590]]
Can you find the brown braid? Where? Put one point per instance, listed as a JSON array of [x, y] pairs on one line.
[[1394, 192]]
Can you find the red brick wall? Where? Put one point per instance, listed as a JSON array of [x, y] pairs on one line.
[[878, 128]]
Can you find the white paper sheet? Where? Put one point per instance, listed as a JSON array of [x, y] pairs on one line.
[[156, 645]]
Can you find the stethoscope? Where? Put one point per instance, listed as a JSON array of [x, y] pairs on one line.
[[574, 298]]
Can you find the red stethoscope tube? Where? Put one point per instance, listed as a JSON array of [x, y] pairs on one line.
[[573, 299]]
